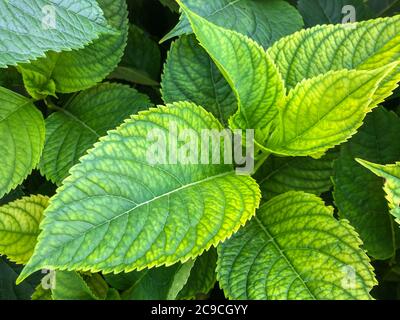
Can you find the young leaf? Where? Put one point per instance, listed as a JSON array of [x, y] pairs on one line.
[[191, 75], [142, 60], [22, 138], [73, 129], [282, 174], [118, 211], [358, 193], [30, 28], [264, 21], [247, 68], [309, 127], [19, 227], [80, 69], [391, 174], [295, 249], [70, 285], [363, 46], [163, 283]]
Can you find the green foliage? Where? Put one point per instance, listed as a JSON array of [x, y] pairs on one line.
[[125, 180]]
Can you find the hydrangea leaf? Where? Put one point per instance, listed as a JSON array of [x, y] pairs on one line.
[[141, 62], [264, 21], [391, 174], [22, 134], [282, 174], [307, 127], [70, 285], [19, 227], [117, 212], [191, 75], [28, 29], [295, 249], [73, 129], [163, 283], [358, 193], [41, 293], [202, 277], [363, 46], [80, 69], [250, 72]]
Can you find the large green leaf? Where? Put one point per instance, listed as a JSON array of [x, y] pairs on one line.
[[295, 249], [27, 30], [191, 75], [248, 69], [264, 21], [391, 174], [73, 129], [141, 62], [80, 69], [363, 46], [22, 138], [309, 127], [282, 174], [19, 227], [358, 193], [120, 211]]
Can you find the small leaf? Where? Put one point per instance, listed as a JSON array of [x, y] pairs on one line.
[[73, 129], [308, 127], [19, 227], [295, 249], [26, 34], [22, 138], [119, 212], [70, 285]]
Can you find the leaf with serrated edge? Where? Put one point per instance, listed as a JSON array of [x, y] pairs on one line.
[[70, 285], [19, 227], [325, 111], [295, 249], [22, 134], [24, 34], [116, 212]]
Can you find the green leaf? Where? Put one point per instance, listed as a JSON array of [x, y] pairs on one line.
[[282, 174], [163, 283], [142, 60], [363, 46], [384, 7], [27, 30], [41, 293], [22, 138], [308, 127], [317, 12], [264, 21], [118, 211], [19, 227], [191, 75], [248, 69], [202, 277], [391, 174], [358, 193], [295, 249], [70, 285], [80, 69], [73, 129]]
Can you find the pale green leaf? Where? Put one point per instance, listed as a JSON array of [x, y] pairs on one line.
[[191, 75], [358, 193], [27, 30], [391, 174], [248, 69], [73, 129], [264, 21], [80, 69], [295, 249], [363, 46], [118, 211], [19, 227], [22, 134], [309, 127]]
